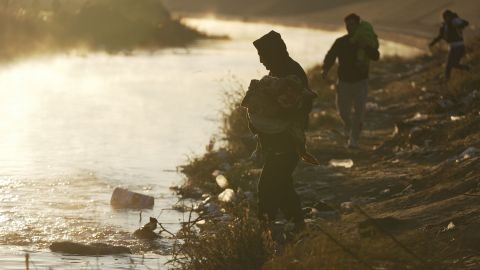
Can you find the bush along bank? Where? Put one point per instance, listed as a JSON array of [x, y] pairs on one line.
[[44, 26], [406, 199]]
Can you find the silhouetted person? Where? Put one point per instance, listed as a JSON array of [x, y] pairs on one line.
[[452, 32], [280, 156], [353, 72]]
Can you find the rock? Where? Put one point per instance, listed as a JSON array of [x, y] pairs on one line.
[[123, 198], [222, 154], [225, 166], [147, 231], [68, 247], [227, 195], [222, 181], [217, 173], [210, 208]]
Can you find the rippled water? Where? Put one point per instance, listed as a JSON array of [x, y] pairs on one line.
[[73, 127]]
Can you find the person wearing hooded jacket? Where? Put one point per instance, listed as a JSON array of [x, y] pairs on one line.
[[352, 86], [452, 32], [280, 156]]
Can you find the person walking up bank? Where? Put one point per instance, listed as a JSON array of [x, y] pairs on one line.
[[354, 52], [452, 32], [278, 106]]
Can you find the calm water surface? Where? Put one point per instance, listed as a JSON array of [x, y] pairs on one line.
[[73, 127]]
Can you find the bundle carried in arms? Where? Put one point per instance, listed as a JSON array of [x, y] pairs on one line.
[[364, 36], [275, 105]]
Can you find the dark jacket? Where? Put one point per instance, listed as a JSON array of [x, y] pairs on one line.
[[349, 68], [290, 67], [452, 31]]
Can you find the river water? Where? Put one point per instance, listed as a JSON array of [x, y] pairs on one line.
[[75, 126]]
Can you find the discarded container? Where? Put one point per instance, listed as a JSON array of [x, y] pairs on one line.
[[457, 117], [450, 226], [123, 198], [221, 181], [345, 163], [227, 195]]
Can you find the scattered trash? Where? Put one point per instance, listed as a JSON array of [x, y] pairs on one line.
[[450, 226], [468, 153], [408, 190], [222, 181], [345, 163], [123, 198], [385, 191], [347, 206], [457, 118], [371, 106], [227, 195], [417, 117]]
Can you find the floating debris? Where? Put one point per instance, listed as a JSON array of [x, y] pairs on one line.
[[345, 163], [123, 198]]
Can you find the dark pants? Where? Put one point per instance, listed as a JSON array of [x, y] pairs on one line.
[[275, 187], [352, 95], [455, 55]]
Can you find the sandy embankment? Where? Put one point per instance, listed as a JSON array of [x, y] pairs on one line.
[[409, 22]]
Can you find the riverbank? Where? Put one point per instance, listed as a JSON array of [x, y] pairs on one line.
[[405, 200], [46, 27], [409, 22]]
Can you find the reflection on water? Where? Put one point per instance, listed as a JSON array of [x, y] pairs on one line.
[[72, 128]]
